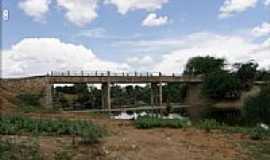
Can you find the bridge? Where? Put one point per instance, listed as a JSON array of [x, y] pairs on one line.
[[45, 84]]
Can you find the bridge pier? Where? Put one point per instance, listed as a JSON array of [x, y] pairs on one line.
[[156, 94], [106, 96], [49, 96]]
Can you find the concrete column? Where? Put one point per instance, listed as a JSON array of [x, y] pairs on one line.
[[106, 96], [156, 94], [49, 96], [153, 86], [160, 94]]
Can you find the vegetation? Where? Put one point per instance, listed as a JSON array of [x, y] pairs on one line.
[[204, 65], [221, 85], [209, 124], [257, 108], [147, 122], [12, 150], [13, 125], [246, 73], [29, 102]]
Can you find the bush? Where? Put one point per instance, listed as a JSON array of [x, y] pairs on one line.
[[221, 85], [147, 122], [257, 109]]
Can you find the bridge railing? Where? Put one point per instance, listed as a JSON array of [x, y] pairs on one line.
[[108, 73]]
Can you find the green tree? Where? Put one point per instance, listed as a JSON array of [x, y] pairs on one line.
[[246, 72], [204, 65], [221, 85]]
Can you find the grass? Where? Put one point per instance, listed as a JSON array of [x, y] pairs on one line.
[[12, 150], [14, 125], [147, 122], [258, 150]]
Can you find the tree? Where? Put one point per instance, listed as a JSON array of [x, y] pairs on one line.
[[246, 72], [204, 65], [263, 75], [221, 85]]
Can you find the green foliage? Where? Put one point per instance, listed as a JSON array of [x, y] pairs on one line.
[[257, 109], [13, 125], [204, 65], [175, 92], [147, 122], [221, 85], [263, 75], [246, 72], [12, 150]]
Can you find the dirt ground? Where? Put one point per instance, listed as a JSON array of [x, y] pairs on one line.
[[125, 142]]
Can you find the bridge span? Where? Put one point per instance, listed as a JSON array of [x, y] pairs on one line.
[[45, 84]]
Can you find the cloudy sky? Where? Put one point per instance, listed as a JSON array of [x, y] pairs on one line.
[[130, 35]]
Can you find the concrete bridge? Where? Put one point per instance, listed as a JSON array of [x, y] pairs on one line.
[[45, 84]]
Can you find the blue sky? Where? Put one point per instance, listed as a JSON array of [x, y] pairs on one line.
[[155, 35]]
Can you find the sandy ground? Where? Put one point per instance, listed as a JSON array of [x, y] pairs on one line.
[[128, 143]]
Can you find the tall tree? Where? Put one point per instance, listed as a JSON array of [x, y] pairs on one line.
[[246, 72], [204, 65]]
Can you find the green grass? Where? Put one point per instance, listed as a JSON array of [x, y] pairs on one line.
[[12, 150], [14, 125], [148, 122], [258, 150]]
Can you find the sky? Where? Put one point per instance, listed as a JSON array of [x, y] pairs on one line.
[[39, 36]]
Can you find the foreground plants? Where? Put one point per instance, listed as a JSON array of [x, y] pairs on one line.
[[14, 125]]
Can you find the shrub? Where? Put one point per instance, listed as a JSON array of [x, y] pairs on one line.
[[257, 109], [147, 122]]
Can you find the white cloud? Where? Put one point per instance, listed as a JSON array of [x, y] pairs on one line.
[[233, 48], [35, 56], [93, 33], [80, 12], [152, 20], [35, 8], [144, 63], [124, 6], [178, 51], [262, 30], [231, 7], [267, 2]]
